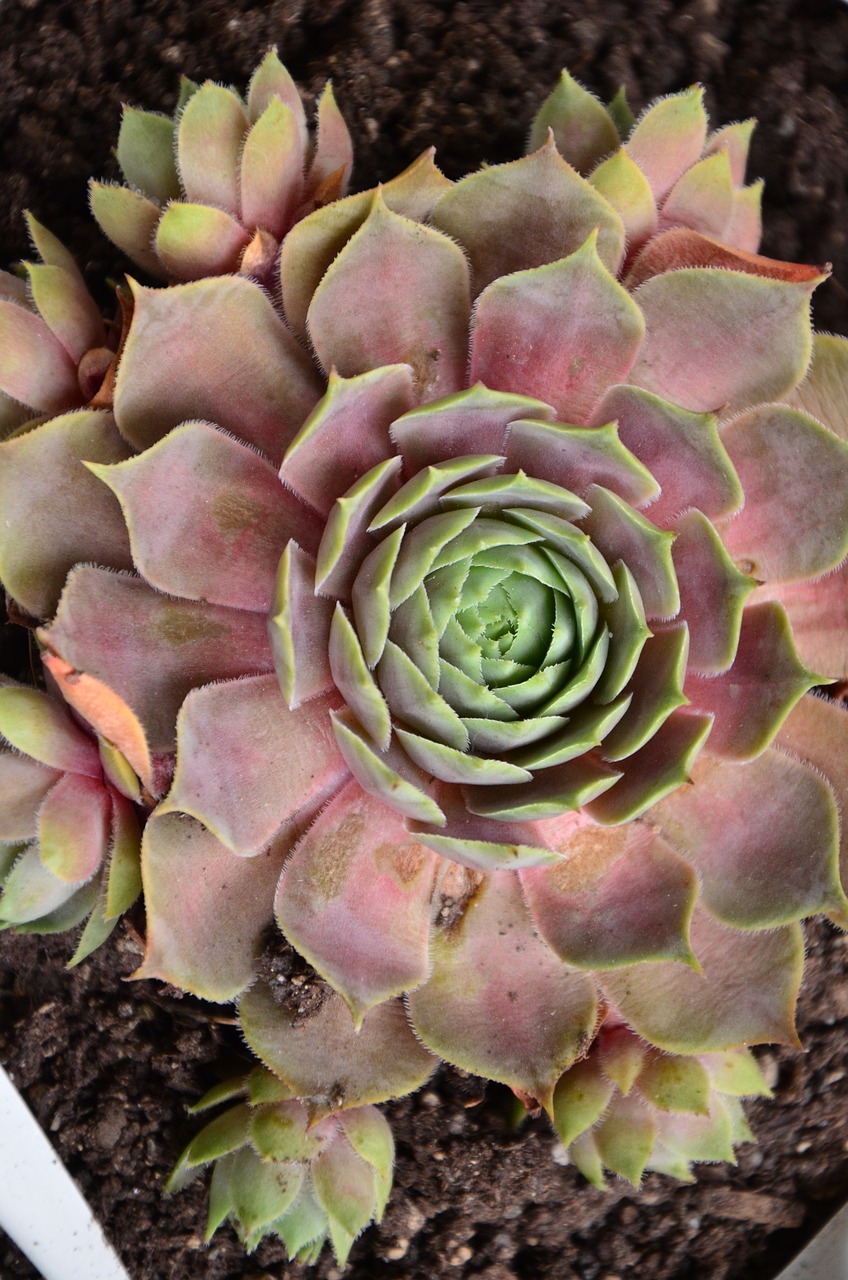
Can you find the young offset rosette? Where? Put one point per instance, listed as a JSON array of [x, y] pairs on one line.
[[628, 1108], [483, 576], [55, 351], [215, 188], [69, 834], [280, 1170]]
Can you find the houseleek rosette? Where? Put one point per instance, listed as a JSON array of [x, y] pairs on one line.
[[482, 578]]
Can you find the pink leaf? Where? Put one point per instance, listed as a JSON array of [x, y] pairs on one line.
[[207, 517], [795, 476], [683, 247], [272, 170], [40, 727], [74, 828], [762, 836], [751, 700], [669, 137], [620, 896], [34, 366], [197, 240], [744, 994], [214, 350], [354, 900], [151, 650], [346, 434], [716, 337], [818, 612], [562, 332], [42, 539], [206, 908], [500, 1003], [712, 593], [469, 424], [23, 785], [209, 141], [299, 629], [396, 294], [824, 392], [681, 450], [246, 764], [333, 147]]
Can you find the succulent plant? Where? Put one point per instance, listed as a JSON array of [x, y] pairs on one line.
[[279, 1169], [69, 833], [486, 547], [215, 188]]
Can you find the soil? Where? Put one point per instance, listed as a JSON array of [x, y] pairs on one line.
[[107, 1067]]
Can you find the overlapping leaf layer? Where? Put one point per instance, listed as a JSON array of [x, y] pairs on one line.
[[488, 541]]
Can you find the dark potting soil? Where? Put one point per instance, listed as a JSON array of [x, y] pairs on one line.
[[109, 1066]]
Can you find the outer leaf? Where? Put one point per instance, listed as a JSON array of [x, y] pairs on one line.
[[620, 896], [745, 993], [333, 159], [754, 696], [344, 1186], [346, 434], [795, 475], [63, 301], [130, 220], [272, 169], [712, 593], [818, 612], [817, 731], [623, 185], [207, 518], [34, 366], [580, 1099], [625, 1137], [213, 350], [31, 892], [470, 424], [763, 837], [703, 197], [823, 393], [682, 247], [231, 741], [146, 154], [206, 908], [354, 899], [299, 627], [382, 1060], [717, 337], [148, 649], [42, 539], [499, 1003], [669, 137], [396, 294], [515, 216], [562, 332], [681, 450], [579, 458]]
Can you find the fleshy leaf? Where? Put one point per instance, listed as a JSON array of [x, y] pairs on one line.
[[823, 393], [681, 450], [469, 424], [354, 900], [763, 837], [207, 517], [580, 1099], [586, 906], [333, 158], [130, 220], [23, 786], [146, 154], [42, 539], [299, 627], [213, 350], [795, 475], [388, 775], [500, 1004], [562, 332], [620, 533], [34, 366], [272, 169], [656, 769], [702, 198], [149, 649], [625, 1137], [415, 314], [197, 240], [712, 593], [31, 892], [578, 458], [623, 185], [681, 247], [74, 828], [207, 909], [744, 994], [210, 136], [816, 730], [675, 1084], [582, 128], [818, 612], [717, 337], [40, 727], [382, 1060], [231, 740], [346, 434], [532, 211], [669, 137], [63, 301], [754, 696]]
